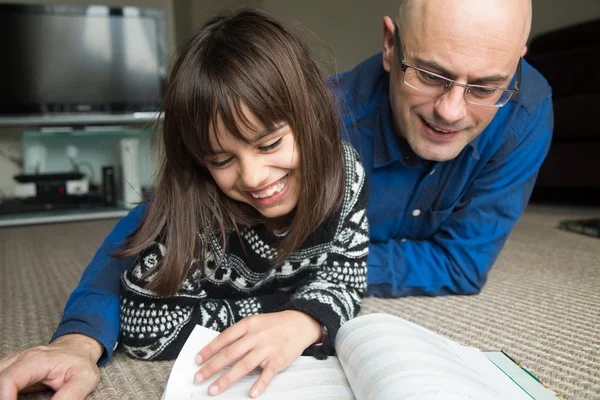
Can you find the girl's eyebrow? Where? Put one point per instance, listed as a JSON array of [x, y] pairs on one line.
[[259, 136], [267, 132]]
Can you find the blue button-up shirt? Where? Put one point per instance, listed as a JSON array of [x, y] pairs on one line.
[[437, 227]]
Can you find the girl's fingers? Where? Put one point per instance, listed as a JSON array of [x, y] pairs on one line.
[[228, 356], [239, 370], [263, 381], [225, 338]]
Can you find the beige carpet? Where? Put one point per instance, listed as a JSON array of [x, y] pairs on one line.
[[541, 303]]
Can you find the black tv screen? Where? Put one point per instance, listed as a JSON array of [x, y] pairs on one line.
[[80, 59]]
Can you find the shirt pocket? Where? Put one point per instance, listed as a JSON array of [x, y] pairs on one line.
[[434, 219]]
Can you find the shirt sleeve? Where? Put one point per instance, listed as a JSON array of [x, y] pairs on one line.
[[93, 307], [456, 260], [333, 295]]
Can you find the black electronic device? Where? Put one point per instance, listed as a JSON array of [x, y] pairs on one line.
[[49, 177], [63, 187], [590, 227], [109, 186], [66, 62]]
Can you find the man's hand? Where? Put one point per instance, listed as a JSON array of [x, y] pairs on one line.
[[67, 365], [272, 341]]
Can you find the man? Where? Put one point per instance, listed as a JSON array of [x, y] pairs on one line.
[[452, 126]]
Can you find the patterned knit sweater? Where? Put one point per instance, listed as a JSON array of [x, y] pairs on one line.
[[325, 278]]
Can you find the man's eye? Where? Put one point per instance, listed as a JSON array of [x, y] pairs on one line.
[[220, 164], [271, 146], [484, 92], [429, 78]]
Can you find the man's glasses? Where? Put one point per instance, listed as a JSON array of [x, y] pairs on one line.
[[434, 84]]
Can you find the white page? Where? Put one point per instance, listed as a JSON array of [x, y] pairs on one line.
[[306, 378], [387, 357]]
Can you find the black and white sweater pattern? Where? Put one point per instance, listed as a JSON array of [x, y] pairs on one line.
[[325, 278]]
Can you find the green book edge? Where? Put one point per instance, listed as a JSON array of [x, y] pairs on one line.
[[520, 376]]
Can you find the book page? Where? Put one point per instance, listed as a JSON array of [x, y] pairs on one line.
[[386, 357], [306, 378]]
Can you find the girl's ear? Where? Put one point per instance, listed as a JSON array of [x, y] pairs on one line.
[[388, 43]]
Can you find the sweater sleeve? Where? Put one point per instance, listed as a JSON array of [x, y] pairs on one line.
[[155, 328], [333, 294]]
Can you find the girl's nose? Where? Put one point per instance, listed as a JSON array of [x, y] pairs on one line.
[[253, 173]]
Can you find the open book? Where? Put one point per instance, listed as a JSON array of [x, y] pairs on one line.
[[380, 356]]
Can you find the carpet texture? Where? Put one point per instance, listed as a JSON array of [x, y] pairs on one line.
[[541, 303]]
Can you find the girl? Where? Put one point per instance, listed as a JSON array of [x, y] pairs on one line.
[[258, 211]]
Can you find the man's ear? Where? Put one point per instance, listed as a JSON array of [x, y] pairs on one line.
[[524, 52], [389, 50]]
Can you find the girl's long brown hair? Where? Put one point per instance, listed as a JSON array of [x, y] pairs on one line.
[[246, 57]]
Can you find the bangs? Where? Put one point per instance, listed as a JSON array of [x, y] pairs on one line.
[[231, 78]]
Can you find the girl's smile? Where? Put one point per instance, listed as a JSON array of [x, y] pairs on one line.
[[272, 193]]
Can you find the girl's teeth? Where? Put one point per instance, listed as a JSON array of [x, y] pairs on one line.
[[273, 190]]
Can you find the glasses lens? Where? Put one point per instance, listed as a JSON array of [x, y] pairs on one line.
[[437, 85], [425, 82], [486, 96]]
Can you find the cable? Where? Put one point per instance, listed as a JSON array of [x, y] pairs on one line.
[[89, 166]]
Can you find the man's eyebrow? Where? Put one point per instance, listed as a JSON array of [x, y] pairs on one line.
[[434, 66]]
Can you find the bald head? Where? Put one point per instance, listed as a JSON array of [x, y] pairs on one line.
[[477, 42], [488, 17]]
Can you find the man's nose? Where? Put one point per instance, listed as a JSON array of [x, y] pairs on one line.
[[253, 173], [451, 106]]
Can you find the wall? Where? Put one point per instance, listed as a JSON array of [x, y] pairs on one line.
[[190, 14], [352, 28], [552, 14]]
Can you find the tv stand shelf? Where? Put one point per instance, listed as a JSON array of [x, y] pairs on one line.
[[80, 119], [65, 215]]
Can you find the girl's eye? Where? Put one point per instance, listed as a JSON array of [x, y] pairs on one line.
[[220, 164], [272, 145]]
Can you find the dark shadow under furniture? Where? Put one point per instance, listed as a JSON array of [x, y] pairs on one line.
[[569, 58]]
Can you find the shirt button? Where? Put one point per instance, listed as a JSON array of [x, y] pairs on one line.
[[403, 240], [416, 213], [432, 172]]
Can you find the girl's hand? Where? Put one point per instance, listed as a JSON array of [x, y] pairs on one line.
[[272, 341]]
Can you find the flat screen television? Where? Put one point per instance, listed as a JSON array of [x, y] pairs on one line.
[[66, 64]]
